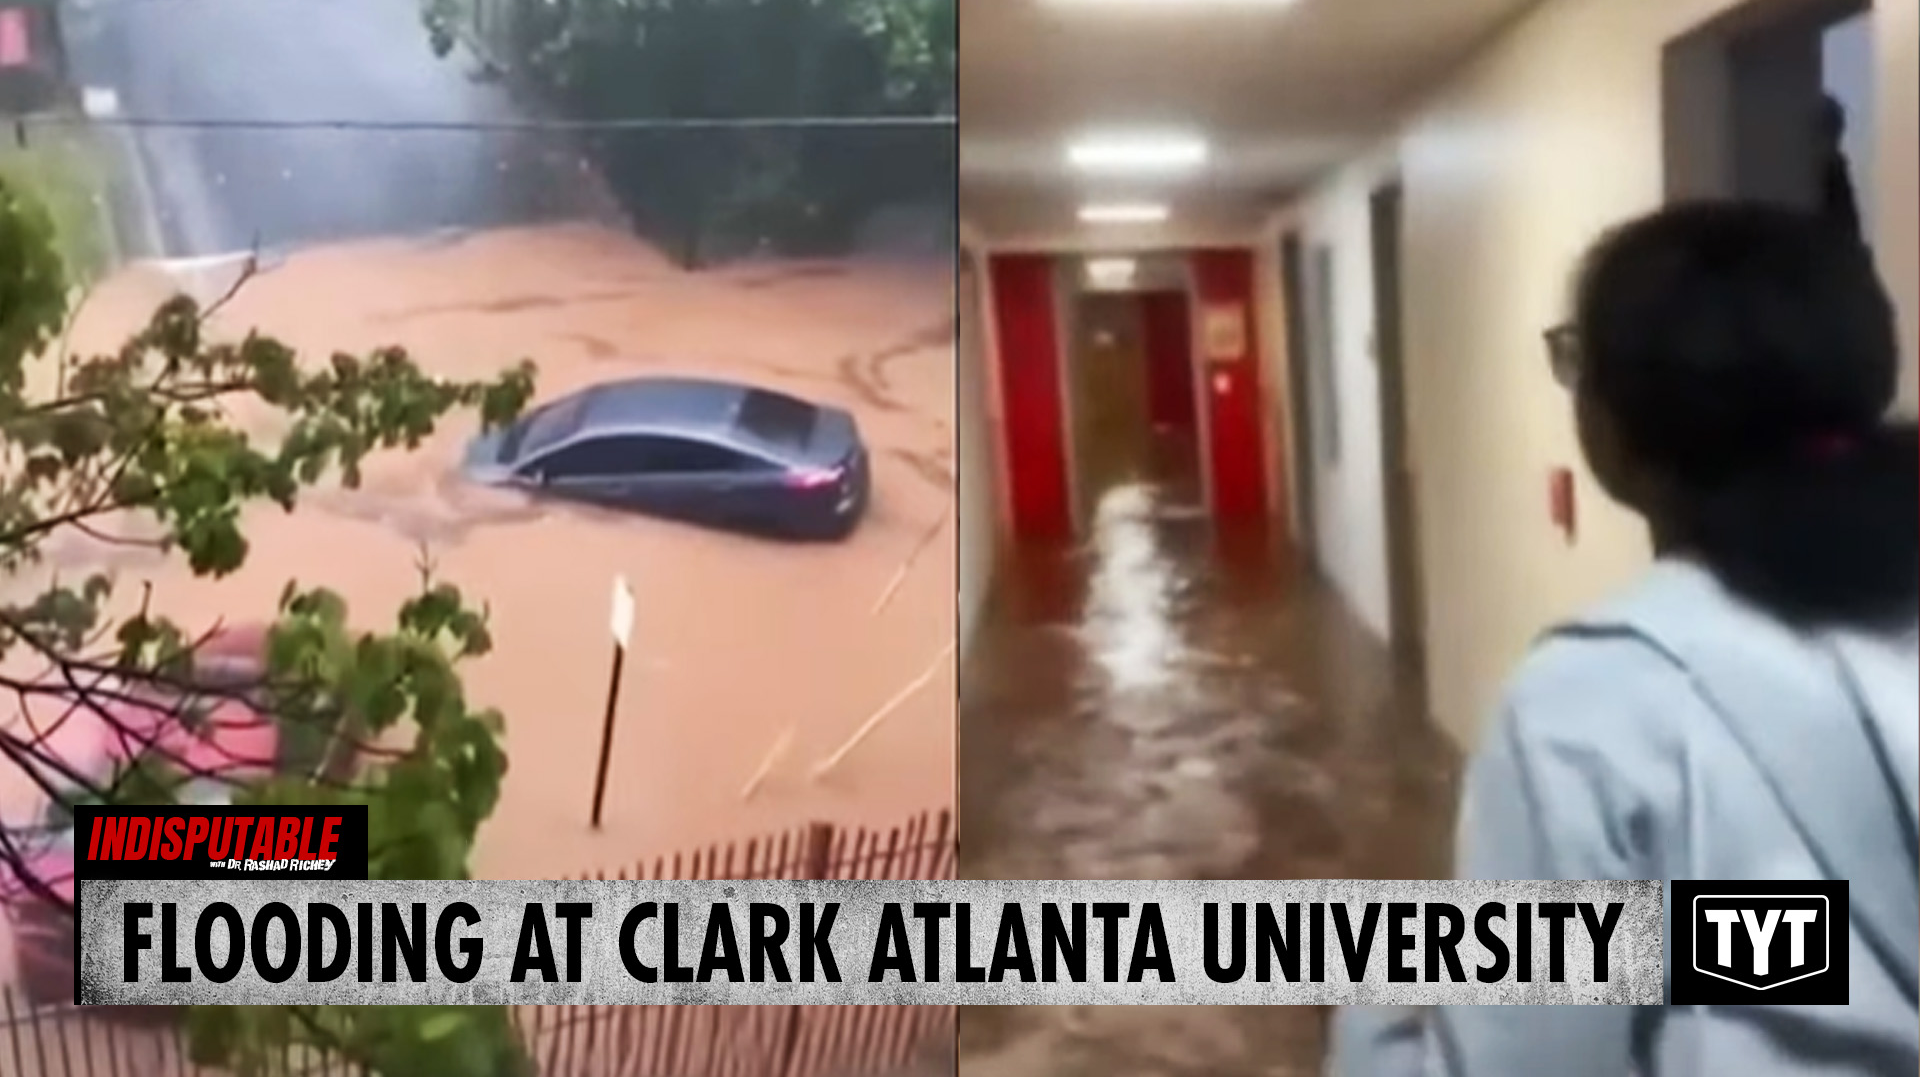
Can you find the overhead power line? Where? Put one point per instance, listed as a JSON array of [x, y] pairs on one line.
[[754, 123]]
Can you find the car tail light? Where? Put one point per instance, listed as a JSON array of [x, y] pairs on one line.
[[814, 478]]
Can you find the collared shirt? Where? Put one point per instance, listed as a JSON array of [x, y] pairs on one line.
[[1610, 760]]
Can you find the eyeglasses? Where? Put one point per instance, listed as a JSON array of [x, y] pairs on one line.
[[1563, 354]]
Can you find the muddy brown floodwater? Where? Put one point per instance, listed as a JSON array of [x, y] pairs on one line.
[[737, 639], [1174, 700]]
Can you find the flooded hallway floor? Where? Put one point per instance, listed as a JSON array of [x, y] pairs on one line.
[[1172, 702]]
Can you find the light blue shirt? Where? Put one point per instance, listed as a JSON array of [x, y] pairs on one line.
[[1679, 733]]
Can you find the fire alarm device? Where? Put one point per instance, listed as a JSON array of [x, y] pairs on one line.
[[1560, 501]]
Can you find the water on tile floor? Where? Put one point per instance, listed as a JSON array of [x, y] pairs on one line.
[[1171, 701]]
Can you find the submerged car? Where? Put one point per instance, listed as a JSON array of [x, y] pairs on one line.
[[707, 452], [222, 738]]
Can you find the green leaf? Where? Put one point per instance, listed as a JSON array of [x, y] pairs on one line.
[[441, 1025]]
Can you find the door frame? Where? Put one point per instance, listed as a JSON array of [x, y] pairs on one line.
[[1707, 123], [1300, 433], [1206, 267], [1084, 384], [1145, 300], [1011, 274], [1399, 490], [1067, 333], [1197, 379]]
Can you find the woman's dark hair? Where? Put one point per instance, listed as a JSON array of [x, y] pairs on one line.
[[1747, 355], [1832, 119]]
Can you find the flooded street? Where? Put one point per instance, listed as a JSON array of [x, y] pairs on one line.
[[1170, 703], [740, 643]]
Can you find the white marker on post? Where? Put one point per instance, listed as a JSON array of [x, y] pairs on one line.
[[99, 102], [622, 620]]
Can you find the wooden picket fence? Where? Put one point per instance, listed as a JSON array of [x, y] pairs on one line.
[[600, 1041]]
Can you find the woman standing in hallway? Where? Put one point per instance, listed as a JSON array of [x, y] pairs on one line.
[[1751, 708]]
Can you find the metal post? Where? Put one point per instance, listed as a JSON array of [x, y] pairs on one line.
[[622, 625], [606, 732]]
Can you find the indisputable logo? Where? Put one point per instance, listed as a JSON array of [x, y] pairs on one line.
[[1760, 943], [219, 842], [289, 842]]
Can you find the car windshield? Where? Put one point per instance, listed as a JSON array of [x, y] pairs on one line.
[[541, 428], [776, 419]]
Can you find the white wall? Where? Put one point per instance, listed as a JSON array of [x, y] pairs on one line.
[[1271, 314], [1349, 513], [1547, 137]]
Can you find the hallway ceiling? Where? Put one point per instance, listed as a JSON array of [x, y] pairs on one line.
[[1281, 91]]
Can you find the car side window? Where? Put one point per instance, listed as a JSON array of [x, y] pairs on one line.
[[643, 455], [596, 458], [681, 456]]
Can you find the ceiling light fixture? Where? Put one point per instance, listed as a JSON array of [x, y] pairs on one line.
[[1123, 213], [1173, 5], [1138, 153]]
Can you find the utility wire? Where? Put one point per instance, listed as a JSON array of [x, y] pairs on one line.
[[755, 123]]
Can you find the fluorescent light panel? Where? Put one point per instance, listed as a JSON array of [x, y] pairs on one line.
[[1123, 213], [1172, 5], [1137, 153]]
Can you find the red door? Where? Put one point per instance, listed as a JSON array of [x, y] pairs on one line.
[[1031, 395], [1167, 334], [1236, 442]]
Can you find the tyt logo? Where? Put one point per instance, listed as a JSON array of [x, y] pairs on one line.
[[1757, 943], [1761, 941]]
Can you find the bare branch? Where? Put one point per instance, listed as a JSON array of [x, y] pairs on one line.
[[18, 864], [247, 271], [98, 535]]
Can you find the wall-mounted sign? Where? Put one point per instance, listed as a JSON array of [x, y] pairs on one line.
[[1223, 331]]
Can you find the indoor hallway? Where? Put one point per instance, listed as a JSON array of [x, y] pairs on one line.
[[1170, 702], [1412, 185]]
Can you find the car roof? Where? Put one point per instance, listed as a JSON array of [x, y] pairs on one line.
[[661, 404], [689, 407]]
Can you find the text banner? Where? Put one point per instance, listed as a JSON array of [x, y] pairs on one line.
[[1314, 942]]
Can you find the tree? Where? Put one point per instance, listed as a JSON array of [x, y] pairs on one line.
[[373, 718], [920, 42], [792, 189]]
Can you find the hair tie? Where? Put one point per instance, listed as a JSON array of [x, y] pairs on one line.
[[1830, 444]]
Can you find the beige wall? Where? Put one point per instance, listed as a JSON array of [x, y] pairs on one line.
[[976, 435], [1349, 510], [1550, 135], [1896, 169], [1283, 483]]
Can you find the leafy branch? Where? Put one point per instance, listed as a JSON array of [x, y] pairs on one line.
[[141, 448]]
